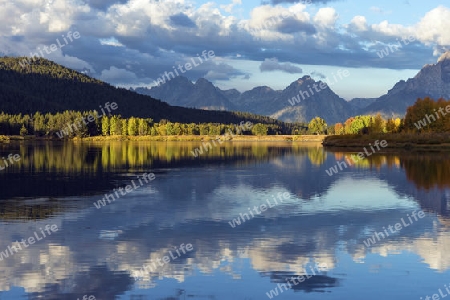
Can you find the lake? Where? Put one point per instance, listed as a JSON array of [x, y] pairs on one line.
[[148, 220]]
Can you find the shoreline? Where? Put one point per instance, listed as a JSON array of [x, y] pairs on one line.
[[395, 141], [181, 138]]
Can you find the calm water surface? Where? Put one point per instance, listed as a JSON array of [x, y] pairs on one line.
[[319, 231]]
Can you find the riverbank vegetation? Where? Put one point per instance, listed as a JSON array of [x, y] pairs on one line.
[[425, 123], [425, 126], [73, 124]]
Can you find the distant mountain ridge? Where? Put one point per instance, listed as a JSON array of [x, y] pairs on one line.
[[431, 80], [48, 87], [180, 91], [261, 100]]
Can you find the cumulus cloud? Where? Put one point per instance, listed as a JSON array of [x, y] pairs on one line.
[[433, 27], [221, 71], [358, 23], [102, 4], [148, 37], [118, 76], [270, 24], [124, 78], [291, 25], [182, 20], [69, 61], [229, 8], [112, 41], [326, 17], [272, 64]]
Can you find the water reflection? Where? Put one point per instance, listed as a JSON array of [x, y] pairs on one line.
[[192, 200]]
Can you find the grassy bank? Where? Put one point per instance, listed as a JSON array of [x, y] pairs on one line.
[[9, 138], [202, 138], [185, 138], [426, 141]]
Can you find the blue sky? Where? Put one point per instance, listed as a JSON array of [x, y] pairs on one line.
[[131, 43]]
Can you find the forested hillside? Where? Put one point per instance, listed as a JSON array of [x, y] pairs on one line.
[[46, 87]]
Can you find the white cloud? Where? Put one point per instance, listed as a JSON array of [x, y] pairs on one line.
[[391, 29], [145, 39], [326, 17], [68, 61], [229, 8], [359, 23], [112, 41], [434, 27], [272, 64], [115, 74], [29, 17]]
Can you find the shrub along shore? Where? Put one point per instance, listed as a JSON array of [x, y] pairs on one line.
[[424, 141]]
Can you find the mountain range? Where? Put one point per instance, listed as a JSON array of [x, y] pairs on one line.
[[303, 100], [46, 87], [261, 100]]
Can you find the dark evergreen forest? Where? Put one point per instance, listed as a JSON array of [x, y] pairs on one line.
[[42, 97]]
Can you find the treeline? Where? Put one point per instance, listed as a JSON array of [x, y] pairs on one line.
[[47, 87], [427, 115], [69, 124], [366, 124]]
